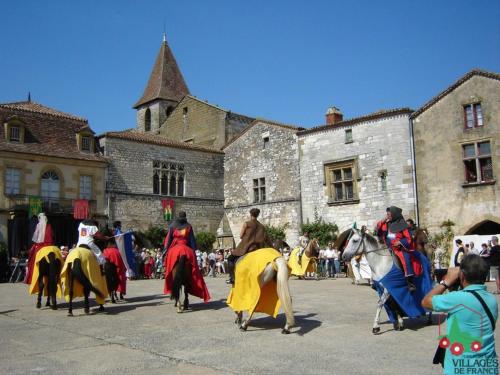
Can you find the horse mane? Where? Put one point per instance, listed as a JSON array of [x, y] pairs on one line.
[[372, 240]]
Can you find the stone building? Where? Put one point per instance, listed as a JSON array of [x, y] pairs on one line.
[[47, 154], [145, 169], [457, 151], [351, 170], [164, 90], [261, 169], [196, 121]]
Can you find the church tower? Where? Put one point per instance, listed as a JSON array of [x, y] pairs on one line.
[[165, 88]]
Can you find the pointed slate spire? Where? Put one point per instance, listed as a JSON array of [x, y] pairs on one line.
[[166, 81]]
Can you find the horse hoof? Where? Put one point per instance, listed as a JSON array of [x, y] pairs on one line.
[[243, 327], [87, 311], [38, 305], [113, 301], [237, 321], [53, 307], [285, 331], [375, 330], [70, 314]]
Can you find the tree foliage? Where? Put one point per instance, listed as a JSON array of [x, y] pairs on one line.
[[323, 231], [153, 236], [205, 241], [276, 233]]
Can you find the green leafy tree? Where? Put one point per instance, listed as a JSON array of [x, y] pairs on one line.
[[276, 233], [153, 236], [323, 231], [205, 241]]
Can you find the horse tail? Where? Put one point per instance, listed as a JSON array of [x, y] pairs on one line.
[[78, 273], [283, 289], [54, 270], [180, 277]]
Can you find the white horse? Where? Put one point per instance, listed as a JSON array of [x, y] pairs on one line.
[[269, 273], [381, 261]]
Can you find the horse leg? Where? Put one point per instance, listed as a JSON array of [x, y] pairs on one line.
[[244, 324], [86, 293], [40, 291], [70, 287], [381, 302], [54, 268], [400, 326], [284, 294], [186, 299], [239, 318]]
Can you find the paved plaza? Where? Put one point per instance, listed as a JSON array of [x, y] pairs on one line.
[[145, 335]]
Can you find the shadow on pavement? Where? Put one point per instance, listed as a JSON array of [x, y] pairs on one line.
[[304, 324]]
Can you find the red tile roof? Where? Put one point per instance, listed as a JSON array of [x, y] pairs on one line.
[[165, 81], [472, 73], [159, 140], [369, 117], [48, 131]]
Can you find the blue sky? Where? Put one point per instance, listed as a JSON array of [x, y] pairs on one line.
[[283, 60]]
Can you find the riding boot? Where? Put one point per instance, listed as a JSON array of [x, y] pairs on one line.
[[409, 283]]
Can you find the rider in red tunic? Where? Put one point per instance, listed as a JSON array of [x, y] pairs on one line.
[[112, 255], [180, 241], [41, 238], [393, 230]]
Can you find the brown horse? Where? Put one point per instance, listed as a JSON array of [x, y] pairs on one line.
[[305, 263], [420, 239]]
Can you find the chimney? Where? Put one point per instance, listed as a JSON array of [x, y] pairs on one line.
[[333, 116]]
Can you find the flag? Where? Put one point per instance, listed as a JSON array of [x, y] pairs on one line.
[[81, 209], [168, 207], [124, 244], [35, 205]]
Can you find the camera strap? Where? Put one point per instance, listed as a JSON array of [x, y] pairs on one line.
[[485, 306]]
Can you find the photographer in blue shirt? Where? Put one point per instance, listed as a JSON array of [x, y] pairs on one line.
[[472, 313]]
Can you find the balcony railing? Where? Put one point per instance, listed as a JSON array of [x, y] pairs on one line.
[[20, 202]]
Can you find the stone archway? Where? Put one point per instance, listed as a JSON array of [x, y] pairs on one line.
[[485, 227]]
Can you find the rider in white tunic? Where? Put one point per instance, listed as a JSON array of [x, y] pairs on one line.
[[86, 232]]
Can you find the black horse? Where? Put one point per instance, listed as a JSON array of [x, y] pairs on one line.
[[48, 270], [181, 272]]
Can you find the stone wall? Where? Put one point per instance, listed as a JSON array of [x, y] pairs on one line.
[[439, 135], [246, 160], [130, 184], [197, 122], [379, 145], [158, 110]]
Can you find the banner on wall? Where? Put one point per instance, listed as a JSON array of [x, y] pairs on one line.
[[34, 205], [81, 209], [168, 208]]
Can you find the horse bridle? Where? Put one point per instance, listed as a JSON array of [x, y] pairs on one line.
[[362, 243]]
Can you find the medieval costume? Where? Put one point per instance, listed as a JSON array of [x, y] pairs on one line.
[[112, 255], [87, 230], [394, 232], [246, 294], [179, 242], [43, 253], [42, 237], [91, 270], [253, 236]]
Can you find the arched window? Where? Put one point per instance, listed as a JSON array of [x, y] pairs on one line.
[[172, 185], [164, 183], [156, 183], [147, 120], [180, 186], [50, 185]]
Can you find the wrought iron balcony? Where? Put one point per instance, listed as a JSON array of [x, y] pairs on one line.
[[20, 202]]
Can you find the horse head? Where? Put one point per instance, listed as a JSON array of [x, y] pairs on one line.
[[354, 244], [312, 249]]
